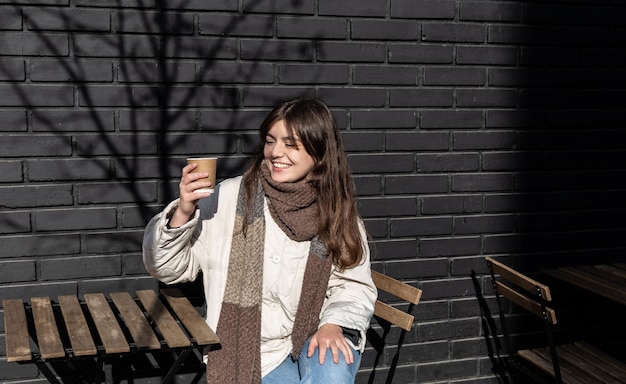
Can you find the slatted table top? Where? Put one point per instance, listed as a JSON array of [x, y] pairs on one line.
[[122, 324], [608, 280]]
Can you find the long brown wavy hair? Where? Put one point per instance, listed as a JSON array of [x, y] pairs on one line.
[[314, 124]]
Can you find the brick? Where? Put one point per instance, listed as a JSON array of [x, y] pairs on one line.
[[133, 265], [451, 119], [367, 185], [465, 225], [236, 25], [416, 53], [384, 30], [201, 144], [386, 119], [495, 11], [11, 171], [448, 370], [417, 141], [506, 161], [118, 3], [365, 163], [482, 182], [215, 5], [114, 46], [129, 168], [172, 23], [353, 97], [111, 95], [71, 71], [156, 72], [133, 217], [121, 192], [452, 246], [73, 120], [231, 120], [10, 18], [304, 7], [15, 95], [17, 271], [477, 55], [56, 19], [381, 75], [515, 242], [198, 47], [40, 245], [421, 226], [394, 250], [454, 32], [230, 72], [313, 74], [12, 69], [11, 43], [486, 98], [157, 120], [484, 140], [519, 118], [428, 9], [455, 76], [36, 196], [364, 8], [351, 52], [29, 145], [12, 121], [80, 268], [495, 203], [411, 184], [93, 145], [68, 169], [269, 97], [387, 206], [45, 44], [116, 284], [314, 28], [75, 219], [448, 162], [276, 50], [362, 142], [421, 97], [14, 222], [437, 205], [554, 57], [113, 242]]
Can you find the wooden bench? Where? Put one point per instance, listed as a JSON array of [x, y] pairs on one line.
[[123, 325], [575, 363], [393, 315]]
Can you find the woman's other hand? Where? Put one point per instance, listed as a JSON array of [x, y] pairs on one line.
[[330, 336]]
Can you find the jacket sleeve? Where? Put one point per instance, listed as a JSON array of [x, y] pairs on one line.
[[351, 297], [168, 252]]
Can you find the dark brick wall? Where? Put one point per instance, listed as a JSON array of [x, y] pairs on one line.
[[473, 128]]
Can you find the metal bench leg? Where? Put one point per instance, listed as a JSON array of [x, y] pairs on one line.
[[47, 372], [177, 364]]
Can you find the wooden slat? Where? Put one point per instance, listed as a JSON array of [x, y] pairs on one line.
[[191, 319], [77, 328], [16, 331], [617, 274], [610, 369], [566, 357], [525, 302], [518, 278], [50, 345], [165, 322], [108, 328], [135, 321], [396, 287], [393, 315], [589, 282]]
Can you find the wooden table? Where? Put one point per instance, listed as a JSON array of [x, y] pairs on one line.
[[123, 325], [608, 280]]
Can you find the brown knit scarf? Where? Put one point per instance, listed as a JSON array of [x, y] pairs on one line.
[[294, 208]]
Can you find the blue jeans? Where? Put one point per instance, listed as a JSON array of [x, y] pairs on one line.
[[308, 370]]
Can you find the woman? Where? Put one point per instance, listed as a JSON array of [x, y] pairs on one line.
[[283, 255]]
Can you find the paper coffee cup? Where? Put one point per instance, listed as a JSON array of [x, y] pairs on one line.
[[208, 165]]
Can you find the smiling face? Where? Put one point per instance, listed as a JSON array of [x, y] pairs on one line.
[[285, 155]]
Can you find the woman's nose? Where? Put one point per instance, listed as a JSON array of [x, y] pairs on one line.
[[277, 150]]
